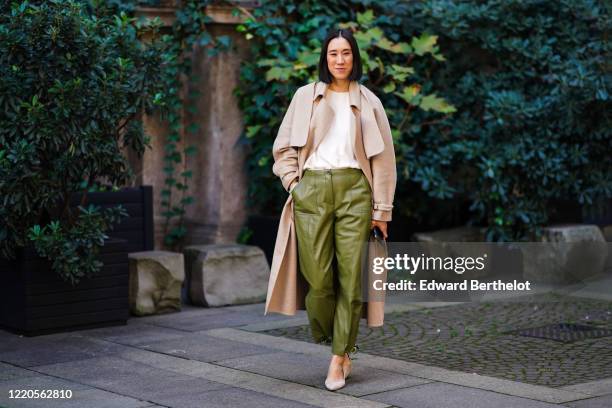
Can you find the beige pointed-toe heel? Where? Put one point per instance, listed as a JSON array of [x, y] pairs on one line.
[[334, 385]]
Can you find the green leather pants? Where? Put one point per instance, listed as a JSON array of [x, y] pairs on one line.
[[332, 213]]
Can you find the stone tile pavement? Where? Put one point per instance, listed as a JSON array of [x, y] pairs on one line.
[[477, 337], [222, 358]]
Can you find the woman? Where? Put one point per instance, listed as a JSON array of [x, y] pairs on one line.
[[334, 155]]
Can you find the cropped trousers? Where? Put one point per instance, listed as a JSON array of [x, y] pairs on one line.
[[332, 215]]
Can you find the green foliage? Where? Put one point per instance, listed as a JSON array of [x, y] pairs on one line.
[[531, 80], [244, 235], [527, 120], [74, 78], [73, 249], [286, 40]]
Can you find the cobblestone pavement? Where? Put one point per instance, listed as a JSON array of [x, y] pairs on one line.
[[472, 337]]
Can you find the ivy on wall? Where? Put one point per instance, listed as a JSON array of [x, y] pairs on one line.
[[189, 30]]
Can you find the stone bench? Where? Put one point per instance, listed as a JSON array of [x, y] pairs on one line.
[[156, 278], [226, 274]]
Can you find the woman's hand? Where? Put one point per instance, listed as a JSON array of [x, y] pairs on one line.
[[382, 226]]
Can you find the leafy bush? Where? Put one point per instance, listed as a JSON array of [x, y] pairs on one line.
[[530, 81], [71, 249], [74, 79]]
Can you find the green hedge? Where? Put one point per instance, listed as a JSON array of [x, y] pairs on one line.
[[530, 81]]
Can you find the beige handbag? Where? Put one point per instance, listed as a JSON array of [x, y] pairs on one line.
[[374, 300]]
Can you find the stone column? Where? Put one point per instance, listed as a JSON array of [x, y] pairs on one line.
[[219, 182]]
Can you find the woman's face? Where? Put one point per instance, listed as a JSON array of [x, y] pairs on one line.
[[339, 58]]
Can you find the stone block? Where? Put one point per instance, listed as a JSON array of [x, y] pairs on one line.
[[156, 278], [226, 274], [452, 243], [607, 233], [567, 253], [458, 234]]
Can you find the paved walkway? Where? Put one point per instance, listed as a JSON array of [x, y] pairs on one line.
[[481, 337], [220, 358]]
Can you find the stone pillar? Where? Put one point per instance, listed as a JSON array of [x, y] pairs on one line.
[[219, 182]]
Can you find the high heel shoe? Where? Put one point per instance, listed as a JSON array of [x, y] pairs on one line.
[[347, 365], [334, 385]]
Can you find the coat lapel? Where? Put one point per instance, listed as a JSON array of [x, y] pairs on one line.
[[324, 117], [372, 138]]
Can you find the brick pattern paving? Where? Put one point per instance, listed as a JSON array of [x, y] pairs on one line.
[[472, 337]]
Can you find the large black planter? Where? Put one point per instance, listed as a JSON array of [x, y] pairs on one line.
[[34, 300]]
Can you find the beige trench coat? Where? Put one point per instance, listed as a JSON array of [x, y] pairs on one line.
[[306, 122]]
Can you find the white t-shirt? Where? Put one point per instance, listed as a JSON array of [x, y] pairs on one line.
[[336, 148]]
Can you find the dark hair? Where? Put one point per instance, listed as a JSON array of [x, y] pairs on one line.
[[356, 73]]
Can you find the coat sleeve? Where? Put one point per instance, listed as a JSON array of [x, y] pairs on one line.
[[285, 156], [384, 172]]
